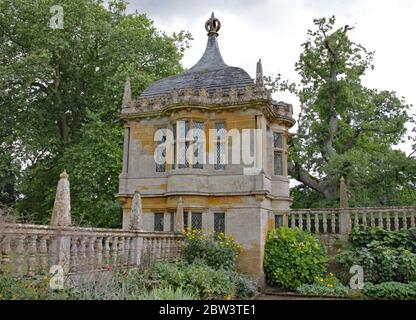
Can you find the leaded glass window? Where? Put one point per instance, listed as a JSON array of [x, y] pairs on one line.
[[198, 152], [184, 145], [172, 221], [185, 220], [174, 146], [278, 154], [158, 221], [278, 163], [277, 140], [196, 220], [220, 149], [278, 221], [161, 152], [219, 222]]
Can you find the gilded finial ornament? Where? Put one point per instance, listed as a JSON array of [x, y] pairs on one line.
[[213, 25]]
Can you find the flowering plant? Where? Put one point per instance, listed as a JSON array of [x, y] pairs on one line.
[[217, 250]]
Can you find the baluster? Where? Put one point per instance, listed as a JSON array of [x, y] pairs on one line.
[[404, 218], [161, 249], [114, 250], [372, 222], [164, 246], [388, 222], [324, 222], [364, 215], [107, 250], [126, 251], [292, 221], [169, 248], [82, 263], [396, 220], [356, 219], [5, 251], [157, 247], [90, 253], [380, 219], [74, 254], [412, 218], [132, 253], [316, 219], [333, 230], [152, 251], [308, 222], [43, 250], [300, 222], [31, 261], [121, 251], [20, 250], [99, 252]]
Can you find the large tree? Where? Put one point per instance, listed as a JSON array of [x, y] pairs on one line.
[[60, 95], [344, 128]]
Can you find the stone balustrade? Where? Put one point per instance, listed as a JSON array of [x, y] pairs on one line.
[[32, 249], [341, 220]]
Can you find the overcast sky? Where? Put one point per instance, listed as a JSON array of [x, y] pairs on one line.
[[273, 30]]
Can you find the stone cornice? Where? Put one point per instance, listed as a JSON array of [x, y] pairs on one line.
[[250, 97]]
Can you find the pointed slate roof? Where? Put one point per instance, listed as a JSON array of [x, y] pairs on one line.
[[210, 72]]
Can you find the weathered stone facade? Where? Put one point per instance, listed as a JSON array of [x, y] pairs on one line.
[[209, 93]]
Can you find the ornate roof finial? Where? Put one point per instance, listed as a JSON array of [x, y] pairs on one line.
[[259, 74], [212, 26]]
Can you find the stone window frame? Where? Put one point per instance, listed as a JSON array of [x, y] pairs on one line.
[[280, 150], [172, 125]]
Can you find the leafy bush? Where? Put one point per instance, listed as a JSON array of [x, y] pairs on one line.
[[293, 257], [167, 294], [245, 287], [199, 279], [328, 286], [215, 249], [391, 290], [405, 238], [384, 255], [36, 288]]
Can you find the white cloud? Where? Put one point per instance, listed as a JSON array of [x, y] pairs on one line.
[[274, 30]]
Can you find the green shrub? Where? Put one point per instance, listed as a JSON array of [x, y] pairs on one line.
[[202, 281], [215, 249], [317, 289], [293, 257], [391, 290], [167, 294], [198, 278], [35, 288], [384, 255], [324, 286], [405, 238], [244, 286]]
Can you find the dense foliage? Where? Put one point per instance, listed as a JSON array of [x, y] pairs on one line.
[[217, 250], [60, 95], [163, 280], [293, 257], [384, 255], [324, 286], [346, 129], [391, 290]]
